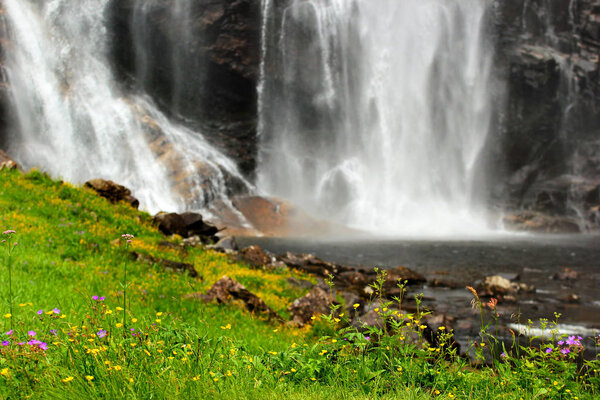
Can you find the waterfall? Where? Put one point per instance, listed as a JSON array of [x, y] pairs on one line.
[[375, 113], [75, 122]]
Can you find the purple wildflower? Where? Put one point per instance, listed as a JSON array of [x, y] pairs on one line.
[[560, 343], [8, 232], [34, 342], [5, 343], [101, 298], [548, 350], [503, 355], [101, 333], [53, 331], [21, 343], [9, 332], [56, 311], [367, 338], [43, 346], [31, 333], [565, 351], [40, 312], [95, 298]]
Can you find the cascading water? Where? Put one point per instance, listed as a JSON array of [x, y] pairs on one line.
[[74, 121], [376, 113]]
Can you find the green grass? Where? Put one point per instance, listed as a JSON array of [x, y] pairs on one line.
[[70, 249]]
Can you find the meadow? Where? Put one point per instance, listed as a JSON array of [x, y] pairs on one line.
[[81, 319]]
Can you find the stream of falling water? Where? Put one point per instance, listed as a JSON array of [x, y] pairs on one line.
[[375, 113], [76, 123]]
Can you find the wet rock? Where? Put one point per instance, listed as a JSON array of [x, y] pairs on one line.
[[185, 225], [499, 286], [567, 274], [311, 264], [255, 256], [572, 298], [226, 290], [317, 301], [168, 264], [401, 274], [225, 244], [352, 280], [112, 191]]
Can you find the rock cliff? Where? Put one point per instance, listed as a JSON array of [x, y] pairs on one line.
[[548, 54], [204, 73]]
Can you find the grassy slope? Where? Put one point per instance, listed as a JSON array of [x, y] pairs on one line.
[[69, 250]]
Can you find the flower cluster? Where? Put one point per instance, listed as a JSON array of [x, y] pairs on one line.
[[33, 343], [572, 344]]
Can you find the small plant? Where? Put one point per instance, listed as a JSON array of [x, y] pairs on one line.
[[128, 238], [10, 246]]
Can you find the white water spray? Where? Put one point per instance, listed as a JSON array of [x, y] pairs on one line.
[[376, 113], [74, 122]]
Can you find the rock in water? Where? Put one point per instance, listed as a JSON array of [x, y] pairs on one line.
[[112, 191]]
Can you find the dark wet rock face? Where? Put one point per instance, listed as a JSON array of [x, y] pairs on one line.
[[548, 56], [201, 66]]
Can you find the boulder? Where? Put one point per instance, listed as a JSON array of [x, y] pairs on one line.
[[255, 256], [317, 301], [499, 286], [226, 290], [112, 191], [185, 225]]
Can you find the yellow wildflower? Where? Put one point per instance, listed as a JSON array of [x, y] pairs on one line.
[[67, 379]]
